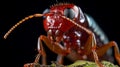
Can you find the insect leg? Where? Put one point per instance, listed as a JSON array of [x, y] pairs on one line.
[[41, 52], [55, 47], [91, 43], [103, 49]]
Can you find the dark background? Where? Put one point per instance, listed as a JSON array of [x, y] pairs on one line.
[[20, 46]]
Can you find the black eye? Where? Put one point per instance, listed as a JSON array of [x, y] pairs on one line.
[[69, 13]]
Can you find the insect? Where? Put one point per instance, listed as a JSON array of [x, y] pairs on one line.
[[71, 33]]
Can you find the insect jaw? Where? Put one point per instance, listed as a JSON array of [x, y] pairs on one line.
[[55, 35]]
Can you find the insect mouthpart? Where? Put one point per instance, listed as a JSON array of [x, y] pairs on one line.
[[55, 35]]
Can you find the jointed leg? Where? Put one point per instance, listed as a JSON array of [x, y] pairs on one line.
[[41, 52], [53, 46], [94, 50], [91, 46], [103, 49], [100, 51]]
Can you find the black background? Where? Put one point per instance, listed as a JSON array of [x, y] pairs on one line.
[[20, 46]]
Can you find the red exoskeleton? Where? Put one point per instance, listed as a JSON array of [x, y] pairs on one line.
[[71, 33]]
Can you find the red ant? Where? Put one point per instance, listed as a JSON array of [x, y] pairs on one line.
[[82, 39]]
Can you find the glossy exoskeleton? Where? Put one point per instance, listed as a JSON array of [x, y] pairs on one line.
[[73, 34]]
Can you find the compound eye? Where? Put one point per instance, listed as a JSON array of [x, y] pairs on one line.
[[46, 11], [69, 13]]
